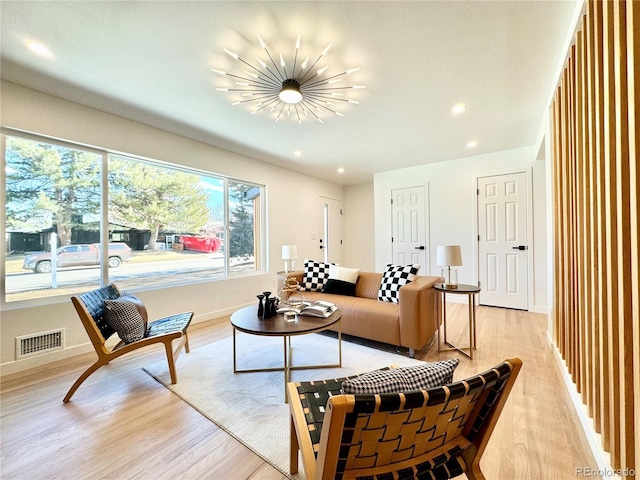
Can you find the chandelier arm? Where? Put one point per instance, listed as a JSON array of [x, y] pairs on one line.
[[304, 78], [249, 100], [274, 64], [310, 110], [295, 106], [267, 104], [284, 66], [267, 91], [271, 86], [321, 96], [270, 83], [280, 112], [260, 97], [330, 89], [320, 105], [248, 64], [323, 79], [272, 76], [295, 58]]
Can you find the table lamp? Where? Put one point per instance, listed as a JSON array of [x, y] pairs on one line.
[[289, 255], [449, 256]]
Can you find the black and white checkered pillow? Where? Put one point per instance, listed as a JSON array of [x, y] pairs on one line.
[[123, 316], [315, 276], [393, 278], [403, 379]]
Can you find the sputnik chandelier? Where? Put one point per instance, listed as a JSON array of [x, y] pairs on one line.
[[291, 89]]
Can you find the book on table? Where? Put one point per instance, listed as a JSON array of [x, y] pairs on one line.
[[318, 308]]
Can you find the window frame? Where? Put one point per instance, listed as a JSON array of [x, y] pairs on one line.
[[260, 217]]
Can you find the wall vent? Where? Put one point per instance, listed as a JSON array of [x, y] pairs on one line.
[[29, 345]]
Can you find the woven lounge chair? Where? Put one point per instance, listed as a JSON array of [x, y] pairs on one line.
[[90, 308], [438, 433]]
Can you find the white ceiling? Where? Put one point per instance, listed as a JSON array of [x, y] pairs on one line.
[[150, 61]]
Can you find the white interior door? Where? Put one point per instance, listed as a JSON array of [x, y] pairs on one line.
[[502, 240], [409, 226], [330, 228]]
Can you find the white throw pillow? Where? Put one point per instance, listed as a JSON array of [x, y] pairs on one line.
[[343, 273]]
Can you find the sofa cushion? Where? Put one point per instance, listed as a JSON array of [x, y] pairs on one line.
[[315, 276], [403, 379], [339, 287], [342, 280], [394, 277], [123, 316]]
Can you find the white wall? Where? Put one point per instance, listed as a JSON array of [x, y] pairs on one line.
[[452, 210], [359, 246], [36, 112]]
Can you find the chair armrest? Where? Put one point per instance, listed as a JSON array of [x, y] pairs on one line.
[[418, 319]]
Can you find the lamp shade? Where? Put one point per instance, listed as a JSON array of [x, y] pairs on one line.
[[448, 255], [289, 252]]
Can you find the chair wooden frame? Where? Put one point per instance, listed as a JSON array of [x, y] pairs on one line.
[[90, 309], [437, 433]]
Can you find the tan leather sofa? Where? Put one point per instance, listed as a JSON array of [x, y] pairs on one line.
[[411, 323]]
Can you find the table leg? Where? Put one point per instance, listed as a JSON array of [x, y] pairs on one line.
[[439, 319], [340, 343], [475, 341], [471, 324], [287, 371], [235, 368], [444, 315]]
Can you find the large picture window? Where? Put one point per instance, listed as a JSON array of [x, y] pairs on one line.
[[164, 224]]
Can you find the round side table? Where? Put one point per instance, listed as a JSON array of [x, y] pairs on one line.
[[471, 291]]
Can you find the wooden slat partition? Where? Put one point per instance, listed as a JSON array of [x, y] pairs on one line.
[[595, 127], [633, 64]]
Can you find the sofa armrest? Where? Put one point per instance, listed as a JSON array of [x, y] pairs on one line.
[[418, 318]]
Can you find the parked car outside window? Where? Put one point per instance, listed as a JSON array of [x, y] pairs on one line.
[[76, 256]]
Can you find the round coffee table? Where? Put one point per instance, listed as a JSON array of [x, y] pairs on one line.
[[246, 320]]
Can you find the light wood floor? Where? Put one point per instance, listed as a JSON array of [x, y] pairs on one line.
[[122, 424]]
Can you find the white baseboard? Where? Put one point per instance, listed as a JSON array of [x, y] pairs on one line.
[[593, 438], [536, 309], [75, 350], [40, 360]]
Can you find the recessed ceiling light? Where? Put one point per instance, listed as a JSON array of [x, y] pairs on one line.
[[341, 170], [39, 48], [472, 144], [297, 153], [459, 108]]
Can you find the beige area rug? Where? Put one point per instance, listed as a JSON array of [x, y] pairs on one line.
[[250, 406]]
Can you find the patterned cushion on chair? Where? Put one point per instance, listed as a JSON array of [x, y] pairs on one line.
[[315, 276], [403, 379], [394, 277], [139, 305], [124, 317]]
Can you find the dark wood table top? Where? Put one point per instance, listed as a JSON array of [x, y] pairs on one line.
[[246, 320], [462, 288]]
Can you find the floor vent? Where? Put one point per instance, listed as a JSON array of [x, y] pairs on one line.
[[43, 342]]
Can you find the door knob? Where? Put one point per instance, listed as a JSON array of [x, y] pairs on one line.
[[421, 247], [520, 247]]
